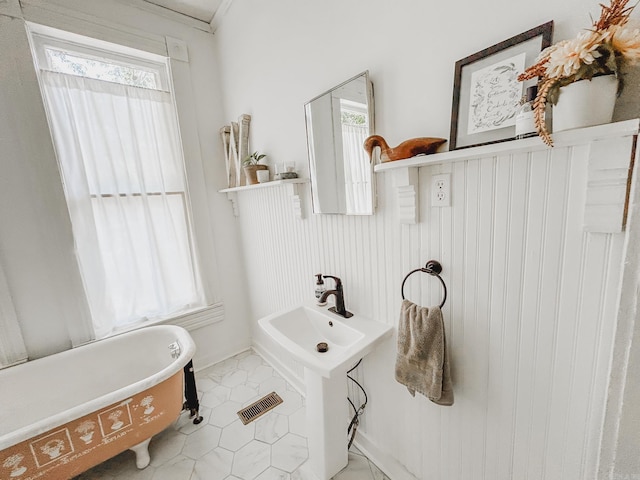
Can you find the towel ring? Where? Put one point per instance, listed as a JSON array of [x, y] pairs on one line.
[[433, 268]]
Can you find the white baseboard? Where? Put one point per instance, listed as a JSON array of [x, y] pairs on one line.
[[294, 380], [385, 462], [206, 361]]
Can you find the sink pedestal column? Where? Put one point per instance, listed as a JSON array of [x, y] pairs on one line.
[[327, 414]]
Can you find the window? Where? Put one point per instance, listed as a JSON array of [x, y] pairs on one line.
[[355, 127], [66, 62], [114, 124]]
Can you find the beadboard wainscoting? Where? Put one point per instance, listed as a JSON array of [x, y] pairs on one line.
[[530, 317]]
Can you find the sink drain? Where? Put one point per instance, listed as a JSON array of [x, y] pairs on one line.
[[322, 347]]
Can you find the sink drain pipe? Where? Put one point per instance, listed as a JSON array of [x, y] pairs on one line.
[[355, 421]]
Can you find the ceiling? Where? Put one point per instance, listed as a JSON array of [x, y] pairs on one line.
[[203, 10]]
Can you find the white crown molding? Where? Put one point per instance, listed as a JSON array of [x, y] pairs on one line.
[[168, 13], [10, 8], [62, 7], [58, 15], [222, 10]]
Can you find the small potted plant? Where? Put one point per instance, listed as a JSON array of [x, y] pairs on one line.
[[251, 165]]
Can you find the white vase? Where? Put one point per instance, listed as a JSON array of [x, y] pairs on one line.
[[263, 176], [585, 103]]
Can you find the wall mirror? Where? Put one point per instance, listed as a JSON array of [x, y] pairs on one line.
[[338, 122]]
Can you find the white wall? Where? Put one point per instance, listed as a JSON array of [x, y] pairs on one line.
[[278, 55], [527, 319], [530, 316], [36, 248], [36, 245]]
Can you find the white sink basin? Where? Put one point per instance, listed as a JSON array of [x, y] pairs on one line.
[[299, 330]]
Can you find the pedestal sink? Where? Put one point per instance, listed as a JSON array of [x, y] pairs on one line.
[[299, 330]]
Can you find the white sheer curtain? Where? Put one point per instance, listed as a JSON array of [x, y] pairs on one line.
[[356, 170], [121, 161], [12, 349]]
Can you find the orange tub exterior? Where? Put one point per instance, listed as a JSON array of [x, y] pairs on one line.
[[70, 449], [65, 413]]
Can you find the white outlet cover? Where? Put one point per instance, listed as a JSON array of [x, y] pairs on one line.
[[441, 190]]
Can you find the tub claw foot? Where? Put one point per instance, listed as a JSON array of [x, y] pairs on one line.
[[142, 454], [195, 414]]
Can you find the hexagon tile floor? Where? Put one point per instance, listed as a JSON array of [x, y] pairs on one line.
[[273, 447]]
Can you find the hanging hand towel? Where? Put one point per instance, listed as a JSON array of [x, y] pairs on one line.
[[422, 363]]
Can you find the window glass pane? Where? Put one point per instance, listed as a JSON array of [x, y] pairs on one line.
[[134, 233], [65, 62], [353, 113], [126, 138], [349, 117]]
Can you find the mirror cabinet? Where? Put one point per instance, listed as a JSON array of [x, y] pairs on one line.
[[338, 122]]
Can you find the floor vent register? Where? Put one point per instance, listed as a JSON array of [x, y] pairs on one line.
[[259, 408]]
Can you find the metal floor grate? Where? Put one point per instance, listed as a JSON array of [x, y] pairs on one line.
[[262, 406]]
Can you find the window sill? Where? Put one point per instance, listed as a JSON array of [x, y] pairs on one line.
[[197, 318], [190, 321]]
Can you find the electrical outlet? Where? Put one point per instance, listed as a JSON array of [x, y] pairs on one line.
[[441, 190]]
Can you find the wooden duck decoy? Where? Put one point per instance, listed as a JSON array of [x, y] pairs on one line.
[[407, 149]]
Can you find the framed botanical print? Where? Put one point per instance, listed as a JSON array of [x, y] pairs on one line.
[[486, 90]]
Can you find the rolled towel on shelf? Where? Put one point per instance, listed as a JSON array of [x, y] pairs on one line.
[[422, 363]]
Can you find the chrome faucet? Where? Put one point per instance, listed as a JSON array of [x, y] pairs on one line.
[[339, 308], [175, 349]]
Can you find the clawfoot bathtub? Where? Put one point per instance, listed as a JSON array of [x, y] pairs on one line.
[[66, 413]]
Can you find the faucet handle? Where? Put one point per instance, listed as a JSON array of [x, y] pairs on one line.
[[336, 279]]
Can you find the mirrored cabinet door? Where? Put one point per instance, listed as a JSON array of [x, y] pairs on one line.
[[338, 122]]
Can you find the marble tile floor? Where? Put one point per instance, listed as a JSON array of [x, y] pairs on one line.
[[273, 447]]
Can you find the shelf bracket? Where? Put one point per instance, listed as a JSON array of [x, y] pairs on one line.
[[294, 194], [405, 180], [610, 164], [233, 198]]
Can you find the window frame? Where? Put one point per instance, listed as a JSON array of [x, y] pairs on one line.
[[42, 37]]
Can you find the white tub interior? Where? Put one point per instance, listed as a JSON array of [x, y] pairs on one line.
[[51, 391]]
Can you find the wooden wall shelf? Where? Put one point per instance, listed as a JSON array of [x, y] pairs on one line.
[[611, 149], [291, 184], [561, 139]]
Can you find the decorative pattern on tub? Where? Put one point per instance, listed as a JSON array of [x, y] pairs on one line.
[[72, 448]]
